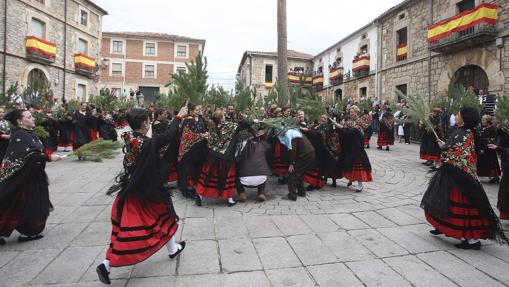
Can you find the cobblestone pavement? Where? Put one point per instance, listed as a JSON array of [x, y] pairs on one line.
[[333, 237]]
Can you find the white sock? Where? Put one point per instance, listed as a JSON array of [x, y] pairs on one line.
[[172, 246], [359, 185], [473, 241], [106, 263], [230, 200]]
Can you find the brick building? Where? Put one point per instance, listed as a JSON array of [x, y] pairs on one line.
[[258, 70], [442, 39], [54, 41], [144, 61]]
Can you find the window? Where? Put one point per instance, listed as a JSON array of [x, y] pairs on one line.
[[117, 47], [403, 90], [38, 28], [402, 36], [81, 92], [465, 5], [150, 71], [182, 51], [150, 49], [364, 36], [83, 47], [268, 73], [41, 1], [84, 17], [339, 60], [401, 16], [363, 92], [364, 49], [181, 70], [401, 44], [299, 69], [116, 69]]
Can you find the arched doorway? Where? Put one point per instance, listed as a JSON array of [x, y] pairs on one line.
[[38, 92], [37, 80], [472, 76], [338, 95]]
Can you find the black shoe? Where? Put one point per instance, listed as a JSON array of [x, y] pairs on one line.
[[465, 245], [380, 148], [310, 188], [435, 232], [494, 180], [291, 197], [2, 241], [230, 204], [104, 275], [182, 245], [197, 200], [301, 193], [387, 148], [349, 184], [29, 238], [359, 189]]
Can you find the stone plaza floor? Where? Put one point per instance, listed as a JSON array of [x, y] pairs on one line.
[[333, 237]]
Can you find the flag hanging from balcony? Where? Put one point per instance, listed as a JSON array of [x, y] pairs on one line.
[[81, 60], [294, 78], [484, 13], [34, 44], [335, 74], [402, 52], [308, 80], [360, 63]]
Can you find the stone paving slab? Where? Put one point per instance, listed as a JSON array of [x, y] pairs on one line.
[[332, 237]]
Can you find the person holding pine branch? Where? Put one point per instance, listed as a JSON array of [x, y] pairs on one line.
[[455, 202], [143, 217], [24, 194]]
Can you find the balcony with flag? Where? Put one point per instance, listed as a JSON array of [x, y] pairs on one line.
[[84, 65], [40, 51], [467, 29], [402, 52], [295, 78], [268, 85], [318, 81], [360, 66], [336, 76]]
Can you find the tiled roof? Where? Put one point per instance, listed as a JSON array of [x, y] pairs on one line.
[[97, 7], [153, 35], [291, 54]]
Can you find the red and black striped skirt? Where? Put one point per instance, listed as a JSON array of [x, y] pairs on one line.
[[10, 220], [464, 221], [93, 134], [208, 183], [314, 178], [278, 166], [144, 229], [504, 215], [487, 164], [173, 175], [384, 138], [430, 157], [358, 173]]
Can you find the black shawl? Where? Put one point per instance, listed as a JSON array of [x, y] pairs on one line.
[[23, 172], [503, 192], [352, 143]]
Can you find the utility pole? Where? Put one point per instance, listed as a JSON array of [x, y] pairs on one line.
[[282, 50]]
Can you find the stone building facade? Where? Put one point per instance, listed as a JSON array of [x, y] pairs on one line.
[[477, 57], [57, 41], [258, 70], [144, 61]]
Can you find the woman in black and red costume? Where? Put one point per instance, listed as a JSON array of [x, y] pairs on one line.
[[24, 194], [192, 152], [487, 161], [386, 135], [217, 178], [143, 217], [455, 202]]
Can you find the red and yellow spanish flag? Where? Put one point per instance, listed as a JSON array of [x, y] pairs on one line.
[[484, 13], [294, 78], [335, 74], [360, 63], [402, 52], [308, 80], [81, 60], [34, 44], [268, 86], [318, 81]]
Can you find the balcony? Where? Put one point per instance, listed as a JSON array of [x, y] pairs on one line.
[[360, 66], [402, 52], [84, 65], [295, 78], [268, 85], [308, 81], [468, 29], [40, 51], [318, 81], [336, 76]]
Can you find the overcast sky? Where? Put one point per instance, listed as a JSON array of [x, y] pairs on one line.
[[231, 27]]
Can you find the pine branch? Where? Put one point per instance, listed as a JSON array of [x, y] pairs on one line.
[[97, 150]]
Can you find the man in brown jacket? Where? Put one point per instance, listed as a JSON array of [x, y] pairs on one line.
[[302, 156]]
